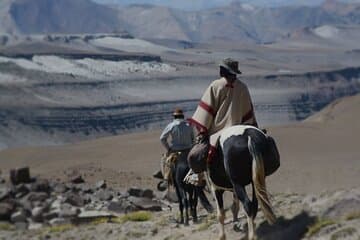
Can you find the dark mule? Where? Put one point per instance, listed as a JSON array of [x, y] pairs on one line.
[[246, 155], [187, 194]]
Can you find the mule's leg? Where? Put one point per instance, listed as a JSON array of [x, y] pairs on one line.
[[220, 212], [181, 206], [193, 198], [186, 205], [243, 197]]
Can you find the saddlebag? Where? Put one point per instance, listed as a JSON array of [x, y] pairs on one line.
[[271, 157]]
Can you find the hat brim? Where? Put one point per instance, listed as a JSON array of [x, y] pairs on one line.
[[229, 69]]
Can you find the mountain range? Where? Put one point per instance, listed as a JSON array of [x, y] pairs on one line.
[[235, 22]]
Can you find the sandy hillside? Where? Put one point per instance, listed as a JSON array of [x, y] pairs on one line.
[[319, 154]]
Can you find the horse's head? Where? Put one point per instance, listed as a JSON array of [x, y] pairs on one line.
[[198, 154]]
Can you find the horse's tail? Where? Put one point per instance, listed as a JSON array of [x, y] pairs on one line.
[[258, 177]]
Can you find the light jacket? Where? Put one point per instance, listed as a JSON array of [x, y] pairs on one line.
[[181, 135], [223, 105]]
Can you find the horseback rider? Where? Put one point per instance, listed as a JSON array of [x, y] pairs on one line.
[[226, 102], [178, 136]]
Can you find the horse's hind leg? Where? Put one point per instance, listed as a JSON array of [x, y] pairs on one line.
[[248, 207], [220, 213], [235, 208]]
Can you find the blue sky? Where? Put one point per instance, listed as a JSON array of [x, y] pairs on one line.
[[201, 4]]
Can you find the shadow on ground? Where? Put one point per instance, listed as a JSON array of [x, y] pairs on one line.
[[285, 229]]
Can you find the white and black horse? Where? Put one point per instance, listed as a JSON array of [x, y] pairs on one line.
[[245, 156], [187, 194]]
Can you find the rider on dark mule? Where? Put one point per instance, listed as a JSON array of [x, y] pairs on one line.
[[181, 136], [226, 102]]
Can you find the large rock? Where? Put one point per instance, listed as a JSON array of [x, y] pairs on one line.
[[60, 188], [94, 214], [4, 193], [104, 195], [138, 192], [50, 215], [20, 175], [18, 216], [37, 214], [41, 185], [101, 184], [77, 179], [122, 206], [6, 210], [74, 199], [68, 211], [135, 192], [37, 196], [21, 190], [146, 204]]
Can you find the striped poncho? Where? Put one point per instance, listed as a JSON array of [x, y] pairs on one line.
[[223, 105]]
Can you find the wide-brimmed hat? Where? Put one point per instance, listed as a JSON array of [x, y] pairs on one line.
[[231, 65], [178, 112]]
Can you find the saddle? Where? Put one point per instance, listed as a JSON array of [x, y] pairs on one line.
[[167, 163]]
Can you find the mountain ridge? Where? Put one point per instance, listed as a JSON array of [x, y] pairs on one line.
[[234, 22]]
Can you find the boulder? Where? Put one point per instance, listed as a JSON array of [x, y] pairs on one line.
[[37, 214], [135, 192], [122, 206], [18, 216], [74, 199], [147, 193], [37, 196], [4, 193], [68, 211], [41, 185], [145, 204], [50, 215], [101, 184], [60, 188], [6, 210], [21, 190], [77, 179], [20, 175], [104, 195]]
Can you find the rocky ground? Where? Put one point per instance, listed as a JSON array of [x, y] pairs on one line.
[[32, 208]]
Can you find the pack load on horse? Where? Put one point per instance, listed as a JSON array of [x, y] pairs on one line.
[[245, 155]]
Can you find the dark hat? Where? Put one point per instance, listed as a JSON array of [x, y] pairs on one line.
[[178, 112], [231, 65]]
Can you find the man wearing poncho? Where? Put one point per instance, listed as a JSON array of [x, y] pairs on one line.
[[226, 102]]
